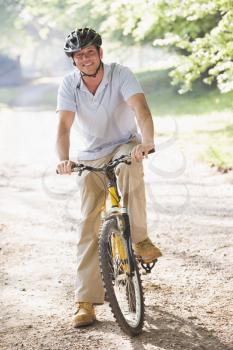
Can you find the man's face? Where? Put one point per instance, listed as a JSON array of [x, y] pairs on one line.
[[88, 59]]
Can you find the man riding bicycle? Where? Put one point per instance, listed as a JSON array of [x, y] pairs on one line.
[[103, 102]]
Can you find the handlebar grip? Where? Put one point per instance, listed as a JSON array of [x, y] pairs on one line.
[[152, 150], [73, 165]]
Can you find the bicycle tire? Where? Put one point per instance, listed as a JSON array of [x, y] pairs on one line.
[[129, 317]]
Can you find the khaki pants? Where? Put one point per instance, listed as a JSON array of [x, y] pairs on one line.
[[89, 287]]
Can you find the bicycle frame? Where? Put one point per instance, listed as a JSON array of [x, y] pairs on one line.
[[123, 224], [116, 210]]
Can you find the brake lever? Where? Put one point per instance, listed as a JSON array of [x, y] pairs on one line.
[[77, 168]]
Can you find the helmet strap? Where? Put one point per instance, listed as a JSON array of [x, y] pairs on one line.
[[92, 75]]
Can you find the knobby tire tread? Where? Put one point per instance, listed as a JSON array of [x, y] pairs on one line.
[[108, 227]]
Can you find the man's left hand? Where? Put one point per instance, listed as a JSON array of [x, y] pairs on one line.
[[141, 150]]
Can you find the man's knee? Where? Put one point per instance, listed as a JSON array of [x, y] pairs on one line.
[[134, 169], [122, 169], [92, 182]]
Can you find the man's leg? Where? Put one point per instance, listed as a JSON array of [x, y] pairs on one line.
[[89, 287], [132, 188]]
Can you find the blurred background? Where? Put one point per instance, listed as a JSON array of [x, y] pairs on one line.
[[181, 52]]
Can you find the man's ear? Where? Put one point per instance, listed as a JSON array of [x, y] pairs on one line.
[[72, 57]]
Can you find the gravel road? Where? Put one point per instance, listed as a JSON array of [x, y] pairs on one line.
[[189, 293]]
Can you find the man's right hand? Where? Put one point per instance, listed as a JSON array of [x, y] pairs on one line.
[[64, 167]]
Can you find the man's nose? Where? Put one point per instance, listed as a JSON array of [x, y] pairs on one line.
[[86, 55]]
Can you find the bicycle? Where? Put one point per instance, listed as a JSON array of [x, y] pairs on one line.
[[119, 267]]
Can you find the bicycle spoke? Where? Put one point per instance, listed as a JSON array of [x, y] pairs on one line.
[[124, 285]]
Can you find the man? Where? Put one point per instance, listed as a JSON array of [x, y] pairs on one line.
[[106, 99]]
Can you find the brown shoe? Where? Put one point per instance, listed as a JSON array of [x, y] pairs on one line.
[[146, 250], [84, 315]]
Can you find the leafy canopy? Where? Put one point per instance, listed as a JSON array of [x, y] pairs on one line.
[[199, 30]]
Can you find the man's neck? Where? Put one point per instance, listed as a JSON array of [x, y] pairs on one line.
[[92, 83]]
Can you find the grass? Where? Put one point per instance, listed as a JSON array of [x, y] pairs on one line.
[[218, 150], [214, 147], [164, 99], [215, 141], [46, 99]]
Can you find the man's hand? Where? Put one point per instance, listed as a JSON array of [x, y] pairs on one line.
[[141, 151], [64, 167]]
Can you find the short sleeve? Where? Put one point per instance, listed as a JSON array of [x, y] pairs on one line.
[[129, 85], [66, 96]]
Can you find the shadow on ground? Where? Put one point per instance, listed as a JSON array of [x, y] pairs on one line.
[[168, 331]]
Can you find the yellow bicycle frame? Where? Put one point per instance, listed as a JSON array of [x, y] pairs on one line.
[[118, 246]]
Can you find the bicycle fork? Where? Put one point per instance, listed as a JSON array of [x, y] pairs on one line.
[[123, 225], [125, 231]]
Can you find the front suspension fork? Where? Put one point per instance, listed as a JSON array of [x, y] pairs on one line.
[[126, 234]]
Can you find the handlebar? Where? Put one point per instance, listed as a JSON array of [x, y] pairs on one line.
[[79, 167]]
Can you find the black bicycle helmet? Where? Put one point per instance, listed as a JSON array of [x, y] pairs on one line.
[[79, 39]]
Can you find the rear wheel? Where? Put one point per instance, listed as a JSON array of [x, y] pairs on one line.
[[124, 289]]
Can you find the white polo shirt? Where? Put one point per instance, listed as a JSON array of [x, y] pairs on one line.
[[104, 120]]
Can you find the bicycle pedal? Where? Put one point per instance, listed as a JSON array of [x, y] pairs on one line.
[[147, 265]]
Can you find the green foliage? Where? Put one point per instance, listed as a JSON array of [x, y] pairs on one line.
[[58, 15], [9, 23], [201, 30], [27, 22], [164, 99]]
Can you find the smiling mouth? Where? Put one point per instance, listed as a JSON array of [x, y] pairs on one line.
[[88, 65]]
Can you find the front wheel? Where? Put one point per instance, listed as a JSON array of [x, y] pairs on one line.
[[123, 287]]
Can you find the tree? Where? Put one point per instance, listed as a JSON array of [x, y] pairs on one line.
[[28, 23], [200, 30], [9, 11]]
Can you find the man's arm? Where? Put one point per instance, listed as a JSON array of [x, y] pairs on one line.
[[66, 119], [145, 122]]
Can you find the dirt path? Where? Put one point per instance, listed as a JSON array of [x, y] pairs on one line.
[[188, 295]]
